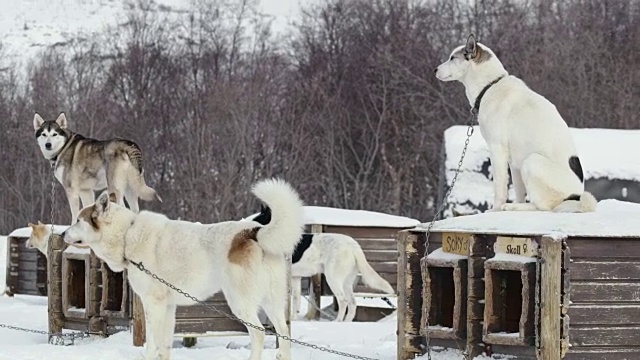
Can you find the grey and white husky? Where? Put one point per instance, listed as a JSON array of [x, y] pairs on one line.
[[84, 165]]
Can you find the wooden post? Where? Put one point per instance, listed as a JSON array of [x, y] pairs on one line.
[[411, 250], [315, 286], [54, 284], [139, 331], [287, 315], [475, 293], [550, 298]]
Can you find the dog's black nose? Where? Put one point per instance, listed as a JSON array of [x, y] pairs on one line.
[[435, 70], [63, 234], [47, 145]]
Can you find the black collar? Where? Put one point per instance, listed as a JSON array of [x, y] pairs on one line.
[[476, 104]]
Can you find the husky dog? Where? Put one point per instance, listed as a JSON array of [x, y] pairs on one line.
[[524, 133], [39, 238], [243, 259], [339, 257], [83, 165]]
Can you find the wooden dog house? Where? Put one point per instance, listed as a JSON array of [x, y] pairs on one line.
[[376, 233], [26, 268], [538, 285], [84, 294]]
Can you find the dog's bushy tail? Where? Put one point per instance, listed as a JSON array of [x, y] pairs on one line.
[[587, 203], [369, 276], [284, 227], [134, 153]]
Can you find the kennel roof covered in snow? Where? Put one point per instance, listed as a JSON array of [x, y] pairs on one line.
[[26, 231], [612, 218], [357, 218]]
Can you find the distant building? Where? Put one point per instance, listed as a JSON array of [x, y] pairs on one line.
[[610, 161]]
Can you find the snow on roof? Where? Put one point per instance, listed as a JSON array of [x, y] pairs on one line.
[[360, 218], [25, 232], [604, 153], [612, 218]]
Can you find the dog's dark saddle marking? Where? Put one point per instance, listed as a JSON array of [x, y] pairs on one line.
[[302, 246], [576, 167], [264, 217], [476, 104]]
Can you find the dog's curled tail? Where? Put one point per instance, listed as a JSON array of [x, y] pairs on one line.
[[283, 230], [369, 276], [134, 153], [587, 203]]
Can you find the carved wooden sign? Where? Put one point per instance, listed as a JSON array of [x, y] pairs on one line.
[[456, 243], [516, 246]]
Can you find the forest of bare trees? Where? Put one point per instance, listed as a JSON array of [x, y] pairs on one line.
[[344, 105]]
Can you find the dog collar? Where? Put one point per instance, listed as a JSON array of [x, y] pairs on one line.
[[476, 105]]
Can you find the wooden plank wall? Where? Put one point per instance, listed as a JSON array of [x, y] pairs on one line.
[[604, 315], [380, 248], [201, 319], [26, 269]]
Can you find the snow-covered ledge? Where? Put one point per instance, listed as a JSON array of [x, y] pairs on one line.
[[612, 218]]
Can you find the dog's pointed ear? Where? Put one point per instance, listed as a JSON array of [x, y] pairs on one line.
[[102, 204], [31, 225], [40, 223], [471, 48], [62, 120], [37, 121], [112, 197]]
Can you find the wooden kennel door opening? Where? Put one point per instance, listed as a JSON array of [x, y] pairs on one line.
[[507, 301], [443, 292]]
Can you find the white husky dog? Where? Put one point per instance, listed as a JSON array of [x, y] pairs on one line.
[[524, 133], [339, 257], [243, 259]]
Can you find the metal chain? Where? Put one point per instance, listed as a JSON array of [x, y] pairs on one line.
[[141, 267], [55, 338], [322, 312], [470, 130]]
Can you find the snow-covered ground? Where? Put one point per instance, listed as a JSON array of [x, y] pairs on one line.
[[376, 340]]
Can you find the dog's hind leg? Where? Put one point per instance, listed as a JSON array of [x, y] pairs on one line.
[[244, 308], [117, 180], [274, 307], [336, 283], [296, 291], [351, 299], [132, 199]]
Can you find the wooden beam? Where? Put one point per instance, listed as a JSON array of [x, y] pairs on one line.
[[411, 248], [139, 331], [550, 298], [54, 284]]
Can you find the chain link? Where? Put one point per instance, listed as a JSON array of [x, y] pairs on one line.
[[470, 129], [141, 267]]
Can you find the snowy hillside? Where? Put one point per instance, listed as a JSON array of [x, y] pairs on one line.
[[30, 26]]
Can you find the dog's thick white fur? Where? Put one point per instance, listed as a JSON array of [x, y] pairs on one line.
[[340, 258], [524, 133], [243, 259]]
